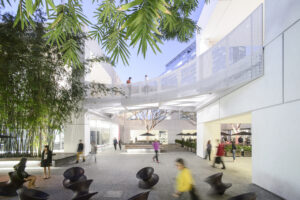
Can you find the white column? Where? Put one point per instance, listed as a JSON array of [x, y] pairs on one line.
[[77, 129], [207, 131]]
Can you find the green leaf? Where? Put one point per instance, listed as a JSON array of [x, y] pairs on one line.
[[130, 5], [29, 7]]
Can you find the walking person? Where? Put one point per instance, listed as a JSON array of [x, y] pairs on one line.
[[233, 150], [208, 150], [155, 145], [120, 144], [94, 151], [46, 161], [184, 182], [128, 82], [146, 87], [115, 143], [220, 154], [80, 152]]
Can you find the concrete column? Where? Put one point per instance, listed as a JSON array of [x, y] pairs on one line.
[[75, 130], [207, 131]]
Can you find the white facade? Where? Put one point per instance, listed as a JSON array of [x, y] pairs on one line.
[[271, 102], [219, 18], [100, 72], [80, 127]]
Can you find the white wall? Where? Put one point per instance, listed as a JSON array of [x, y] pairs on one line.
[[292, 63], [98, 74], [274, 101], [276, 149], [101, 72], [280, 14], [76, 130], [219, 17], [264, 91]]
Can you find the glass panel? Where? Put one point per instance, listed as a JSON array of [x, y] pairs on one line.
[[104, 135]]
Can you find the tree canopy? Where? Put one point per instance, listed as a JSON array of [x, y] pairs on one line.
[[38, 94], [120, 24]]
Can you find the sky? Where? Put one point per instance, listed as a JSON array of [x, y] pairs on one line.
[[154, 64]]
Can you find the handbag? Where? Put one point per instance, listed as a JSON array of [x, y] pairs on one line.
[[218, 160], [193, 193]]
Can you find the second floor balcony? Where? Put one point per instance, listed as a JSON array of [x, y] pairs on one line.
[[235, 60]]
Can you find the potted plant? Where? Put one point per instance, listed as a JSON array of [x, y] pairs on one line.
[[247, 151], [228, 150]]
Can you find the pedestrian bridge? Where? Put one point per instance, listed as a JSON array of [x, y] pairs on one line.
[[232, 62]]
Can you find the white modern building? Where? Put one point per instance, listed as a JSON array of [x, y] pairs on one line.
[[91, 126], [246, 71], [271, 103]]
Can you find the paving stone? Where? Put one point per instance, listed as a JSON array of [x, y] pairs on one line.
[[113, 194], [114, 177]]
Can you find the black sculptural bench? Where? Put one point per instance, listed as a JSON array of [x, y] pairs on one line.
[[16, 179], [140, 196], [217, 186], [31, 194], [147, 178], [76, 181], [245, 196], [9, 188]]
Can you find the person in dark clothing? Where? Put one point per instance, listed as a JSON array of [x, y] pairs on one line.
[[115, 143], [241, 140], [46, 161], [120, 144], [233, 150], [80, 149], [220, 154], [20, 171], [208, 150]]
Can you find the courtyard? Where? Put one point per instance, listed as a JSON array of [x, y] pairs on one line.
[[186, 77], [114, 176]]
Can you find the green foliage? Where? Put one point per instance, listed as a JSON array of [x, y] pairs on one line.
[[38, 94], [247, 148], [239, 148], [190, 144], [120, 24]]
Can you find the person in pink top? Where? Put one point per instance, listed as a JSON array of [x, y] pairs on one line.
[[155, 145]]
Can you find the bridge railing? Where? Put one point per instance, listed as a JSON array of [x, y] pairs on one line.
[[236, 59]]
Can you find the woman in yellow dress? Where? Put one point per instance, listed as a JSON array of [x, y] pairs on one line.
[[184, 182]]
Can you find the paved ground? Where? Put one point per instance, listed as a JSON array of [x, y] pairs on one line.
[[114, 177]]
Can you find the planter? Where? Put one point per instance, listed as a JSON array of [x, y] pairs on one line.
[[247, 154], [229, 154]]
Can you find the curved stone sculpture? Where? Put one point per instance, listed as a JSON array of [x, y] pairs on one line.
[[76, 181], [217, 186], [245, 196], [16, 180], [31, 194], [140, 196], [147, 178]]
